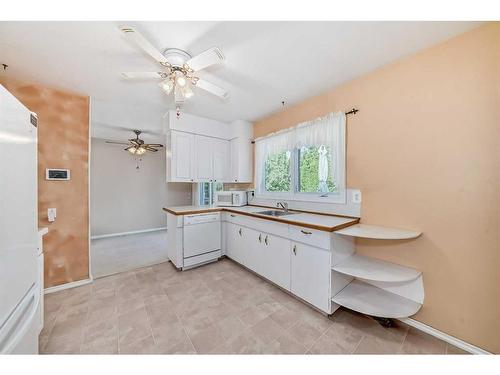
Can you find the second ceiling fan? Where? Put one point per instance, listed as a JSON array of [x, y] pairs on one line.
[[178, 74]]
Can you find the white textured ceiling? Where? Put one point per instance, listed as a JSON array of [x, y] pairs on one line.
[[266, 62]]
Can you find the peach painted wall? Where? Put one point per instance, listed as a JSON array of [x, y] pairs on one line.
[[63, 142], [424, 150]]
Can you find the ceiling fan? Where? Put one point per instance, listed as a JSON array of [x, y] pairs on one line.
[[179, 70], [136, 146]]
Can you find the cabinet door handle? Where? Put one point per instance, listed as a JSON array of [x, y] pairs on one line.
[[239, 232], [266, 241], [294, 249], [232, 215], [306, 232], [260, 237]]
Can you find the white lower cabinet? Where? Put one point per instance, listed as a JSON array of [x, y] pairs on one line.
[[254, 251], [310, 274], [235, 248], [300, 268], [276, 260]]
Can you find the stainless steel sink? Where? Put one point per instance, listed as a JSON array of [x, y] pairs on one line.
[[274, 213]]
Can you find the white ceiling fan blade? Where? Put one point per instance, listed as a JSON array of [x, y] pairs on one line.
[[209, 57], [142, 75], [212, 89], [143, 43]]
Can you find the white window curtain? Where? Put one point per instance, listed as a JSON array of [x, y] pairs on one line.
[[324, 131]]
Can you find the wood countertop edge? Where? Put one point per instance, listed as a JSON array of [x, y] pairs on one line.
[[276, 219]]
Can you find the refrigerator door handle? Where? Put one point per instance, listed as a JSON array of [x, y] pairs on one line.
[[19, 321]]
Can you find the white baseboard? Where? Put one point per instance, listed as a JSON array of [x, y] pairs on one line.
[[444, 336], [127, 233], [74, 284]]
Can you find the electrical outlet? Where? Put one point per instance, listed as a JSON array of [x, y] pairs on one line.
[[51, 214], [356, 196]]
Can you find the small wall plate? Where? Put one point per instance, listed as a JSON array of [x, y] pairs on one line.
[[57, 174]]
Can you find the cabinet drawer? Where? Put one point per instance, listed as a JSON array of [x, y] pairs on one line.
[[261, 225], [313, 237]]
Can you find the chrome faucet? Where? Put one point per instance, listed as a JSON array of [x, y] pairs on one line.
[[283, 205]]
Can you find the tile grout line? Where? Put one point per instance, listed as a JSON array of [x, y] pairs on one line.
[[320, 336], [181, 323], [403, 342]]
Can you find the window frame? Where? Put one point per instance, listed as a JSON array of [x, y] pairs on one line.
[[339, 177]]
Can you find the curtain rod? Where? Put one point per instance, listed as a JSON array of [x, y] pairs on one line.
[[351, 112]]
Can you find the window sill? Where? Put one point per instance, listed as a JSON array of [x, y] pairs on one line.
[[338, 198]]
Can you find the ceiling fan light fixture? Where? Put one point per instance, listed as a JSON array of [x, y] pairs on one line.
[[136, 150], [180, 80], [140, 151], [187, 91], [167, 86]]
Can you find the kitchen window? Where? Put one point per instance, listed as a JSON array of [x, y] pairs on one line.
[[206, 192], [306, 162]]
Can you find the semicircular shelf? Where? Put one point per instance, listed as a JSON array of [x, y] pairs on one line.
[[371, 269], [378, 232], [370, 300]]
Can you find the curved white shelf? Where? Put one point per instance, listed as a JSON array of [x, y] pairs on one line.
[[376, 232], [370, 300], [367, 268]]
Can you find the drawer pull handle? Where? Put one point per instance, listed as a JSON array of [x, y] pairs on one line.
[[239, 232], [266, 241], [306, 232], [295, 249], [233, 215], [260, 237]]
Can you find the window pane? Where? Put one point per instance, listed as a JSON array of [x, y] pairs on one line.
[[315, 170], [206, 193], [277, 172]]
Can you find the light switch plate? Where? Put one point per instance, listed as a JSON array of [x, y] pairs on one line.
[[51, 214], [356, 196]]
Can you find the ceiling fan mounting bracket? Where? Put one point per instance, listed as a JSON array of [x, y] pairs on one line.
[[176, 57]]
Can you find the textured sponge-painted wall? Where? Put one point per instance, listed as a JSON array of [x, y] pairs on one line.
[[63, 142]]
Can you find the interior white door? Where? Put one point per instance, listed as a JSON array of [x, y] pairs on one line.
[[221, 160], [276, 260], [204, 158], [310, 275], [182, 156]]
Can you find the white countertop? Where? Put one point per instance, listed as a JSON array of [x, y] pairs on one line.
[[311, 220]]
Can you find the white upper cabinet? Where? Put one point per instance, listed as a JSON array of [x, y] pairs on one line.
[[241, 160], [204, 158], [212, 159], [205, 150], [221, 160], [180, 157]]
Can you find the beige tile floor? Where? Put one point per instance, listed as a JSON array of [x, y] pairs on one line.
[[220, 308]]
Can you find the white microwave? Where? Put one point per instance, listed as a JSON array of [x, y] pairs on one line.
[[230, 198]]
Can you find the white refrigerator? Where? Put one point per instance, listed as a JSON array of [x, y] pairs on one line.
[[19, 285]]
